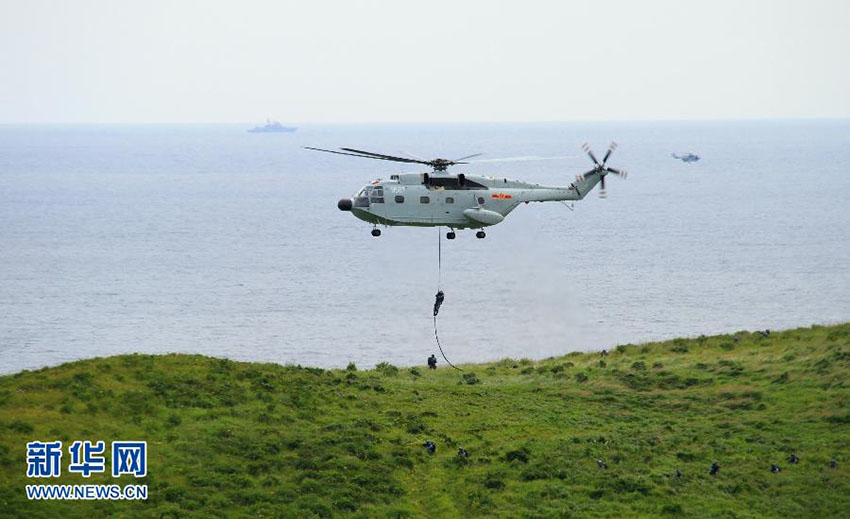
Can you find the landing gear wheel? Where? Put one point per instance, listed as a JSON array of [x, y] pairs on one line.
[[480, 235], [376, 232], [450, 235]]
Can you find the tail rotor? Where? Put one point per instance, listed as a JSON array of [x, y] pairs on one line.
[[601, 168]]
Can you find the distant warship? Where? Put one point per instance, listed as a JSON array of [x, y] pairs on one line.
[[272, 127]]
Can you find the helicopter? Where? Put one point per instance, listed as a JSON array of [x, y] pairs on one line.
[[687, 157], [458, 201]]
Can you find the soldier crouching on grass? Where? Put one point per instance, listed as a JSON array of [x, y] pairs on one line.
[[793, 459], [432, 362]]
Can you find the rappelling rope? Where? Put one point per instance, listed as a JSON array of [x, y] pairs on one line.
[[439, 259], [440, 296], [441, 348]]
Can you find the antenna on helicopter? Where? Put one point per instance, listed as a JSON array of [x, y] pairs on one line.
[[600, 168]]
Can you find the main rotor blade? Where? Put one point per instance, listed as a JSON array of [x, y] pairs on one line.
[[523, 159], [384, 157], [417, 157], [456, 161], [361, 156], [419, 160]]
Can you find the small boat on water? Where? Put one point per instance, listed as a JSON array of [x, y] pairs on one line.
[[272, 127]]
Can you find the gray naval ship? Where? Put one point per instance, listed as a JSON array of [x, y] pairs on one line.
[[272, 127]]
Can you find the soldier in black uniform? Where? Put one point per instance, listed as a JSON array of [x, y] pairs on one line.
[[793, 459], [440, 297], [432, 362]]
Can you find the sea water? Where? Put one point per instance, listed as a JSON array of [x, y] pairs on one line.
[[208, 239]]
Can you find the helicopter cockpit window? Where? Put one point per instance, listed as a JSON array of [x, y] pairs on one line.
[[362, 198], [376, 196]]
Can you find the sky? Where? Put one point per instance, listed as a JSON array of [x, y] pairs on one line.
[[315, 61]]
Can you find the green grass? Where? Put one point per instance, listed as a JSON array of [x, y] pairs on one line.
[[230, 439]]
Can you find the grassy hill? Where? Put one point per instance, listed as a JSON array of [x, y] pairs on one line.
[[230, 439]]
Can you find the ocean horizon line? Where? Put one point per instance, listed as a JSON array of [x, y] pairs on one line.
[[430, 123]]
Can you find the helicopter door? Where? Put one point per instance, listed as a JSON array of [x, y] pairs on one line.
[[397, 202], [448, 205]]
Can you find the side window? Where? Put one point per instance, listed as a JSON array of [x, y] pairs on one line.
[[377, 195], [399, 199], [450, 200], [424, 200]]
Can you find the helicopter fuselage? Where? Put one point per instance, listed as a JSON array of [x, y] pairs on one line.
[[457, 201], [688, 157]]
